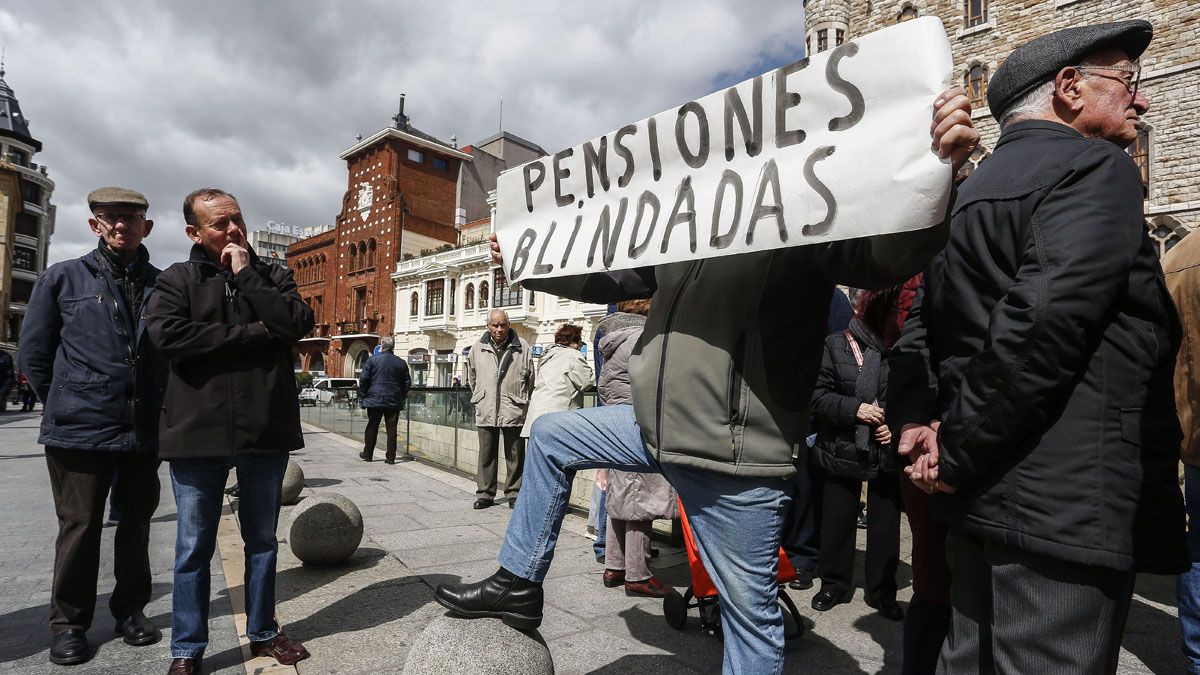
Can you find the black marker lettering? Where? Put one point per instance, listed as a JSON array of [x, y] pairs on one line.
[[815, 183], [540, 267], [844, 88], [522, 255], [655, 161], [785, 100], [609, 249], [531, 183], [596, 161], [627, 130], [559, 174], [682, 215], [769, 176], [698, 159], [648, 198], [735, 107], [571, 241], [728, 178]]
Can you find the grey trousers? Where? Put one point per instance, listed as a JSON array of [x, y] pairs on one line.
[[514, 461], [1017, 612], [627, 547]]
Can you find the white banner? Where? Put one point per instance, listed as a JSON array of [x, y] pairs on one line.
[[832, 147]]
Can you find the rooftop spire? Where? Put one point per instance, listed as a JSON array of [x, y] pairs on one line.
[[12, 123], [400, 120]]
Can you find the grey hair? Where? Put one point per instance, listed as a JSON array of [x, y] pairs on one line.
[[497, 312], [1031, 104], [387, 344]]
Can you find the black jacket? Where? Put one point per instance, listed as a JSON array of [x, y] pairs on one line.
[[229, 341], [835, 407], [100, 383], [1050, 339], [383, 382]]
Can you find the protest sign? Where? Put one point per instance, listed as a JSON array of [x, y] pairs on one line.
[[831, 147]]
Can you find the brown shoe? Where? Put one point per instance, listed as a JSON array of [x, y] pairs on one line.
[[651, 587], [280, 648], [613, 578], [184, 667]]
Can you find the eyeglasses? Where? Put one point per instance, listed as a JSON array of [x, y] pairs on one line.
[[114, 218], [1131, 85]]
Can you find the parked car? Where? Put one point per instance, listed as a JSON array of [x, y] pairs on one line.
[[326, 390]]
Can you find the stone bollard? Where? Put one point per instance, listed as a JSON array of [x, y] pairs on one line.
[[325, 530], [293, 483], [454, 646]]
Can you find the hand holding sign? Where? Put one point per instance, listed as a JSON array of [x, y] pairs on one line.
[[823, 149]]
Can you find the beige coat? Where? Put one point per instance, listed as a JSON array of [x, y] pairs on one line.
[[1181, 268], [500, 382], [562, 375]]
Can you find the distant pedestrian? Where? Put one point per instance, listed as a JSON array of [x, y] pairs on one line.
[[1051, 442], [7, 378], [228, 323], [27, 395], [500, 370], [87, 357], [382, 387]]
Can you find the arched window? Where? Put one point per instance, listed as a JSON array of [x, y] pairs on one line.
[[974, 12], [469, 297], [1165, 231], [483, 295], [453, 286], [321, 268], [362, 255], [371, 253], [1140, 152], [907, 14], [414, 304], [976, 84], [352, 263]]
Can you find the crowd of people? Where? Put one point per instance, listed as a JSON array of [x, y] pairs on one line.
[[1008, 379]]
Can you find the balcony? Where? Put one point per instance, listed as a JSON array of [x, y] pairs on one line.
[[360, 327], [438, 323]]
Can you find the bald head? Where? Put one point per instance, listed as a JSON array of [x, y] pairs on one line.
[[497, 324]]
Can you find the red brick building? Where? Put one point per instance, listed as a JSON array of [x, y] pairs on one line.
[[399, 200]]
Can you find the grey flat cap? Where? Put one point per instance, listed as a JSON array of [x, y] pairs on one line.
[[1040, 59], [113, 196]]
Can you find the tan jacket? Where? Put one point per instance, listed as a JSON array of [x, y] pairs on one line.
[[562, 375], [500, 383], [1181, 267]]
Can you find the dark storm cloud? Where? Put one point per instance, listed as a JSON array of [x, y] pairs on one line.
[[259, 98]]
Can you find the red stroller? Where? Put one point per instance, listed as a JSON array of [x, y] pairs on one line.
[[704, 593]]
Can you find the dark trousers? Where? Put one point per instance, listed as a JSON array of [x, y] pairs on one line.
[[927, 621], [839, 525], [1019, 612], [390, 417], [802, 529], [514, 457], [80, 481]]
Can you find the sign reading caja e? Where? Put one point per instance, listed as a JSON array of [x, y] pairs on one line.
[[832, 147]]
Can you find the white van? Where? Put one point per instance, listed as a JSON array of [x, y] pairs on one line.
[[326, 390]]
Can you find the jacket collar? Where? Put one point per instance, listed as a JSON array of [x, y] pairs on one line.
[[1036, 128], [512, 341], [864, 335]]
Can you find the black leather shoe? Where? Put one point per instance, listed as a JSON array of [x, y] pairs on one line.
[[364, 456], [70, 647], [827, 600], [389, 460], [184, 667], [137, 630], [802, 582], [482, 503], [888, 608], [515, 601]]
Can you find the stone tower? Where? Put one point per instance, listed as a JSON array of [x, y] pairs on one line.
[[826, 24]]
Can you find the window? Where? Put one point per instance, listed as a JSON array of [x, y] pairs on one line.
[[1140, 152], [371, 254], [353, 264], [414, 304], [318, 305], [24, 258], [360, 303], [504, 294], [27, 224], [469, 297], [31, 192], [822, 40], [483, 295], [974, 12], [434, 293], [362, 255], [18, 157], [453, 285], [416, 156], [977, 86], [841, 37], [14, 327], [21, 290], [907, 14], [441, 164], [1165, 232]]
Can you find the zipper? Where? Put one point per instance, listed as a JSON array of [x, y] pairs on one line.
[[734, 392], [118, 319], [692, 274], [231, 300]]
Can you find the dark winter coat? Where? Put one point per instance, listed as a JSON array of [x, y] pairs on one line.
[[229, 341], [8, 376], [383, 382], [835, 406], [101, 383], [1050, 337]]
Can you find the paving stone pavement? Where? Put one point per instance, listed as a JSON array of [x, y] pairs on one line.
[[422, 531]]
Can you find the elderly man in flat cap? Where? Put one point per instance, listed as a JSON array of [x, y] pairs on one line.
[[87, 356], [1051, 441]]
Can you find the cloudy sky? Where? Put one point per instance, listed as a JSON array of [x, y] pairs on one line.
[[260, 97]]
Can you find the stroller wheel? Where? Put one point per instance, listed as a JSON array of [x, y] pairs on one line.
[[710, 614], [675, 610]]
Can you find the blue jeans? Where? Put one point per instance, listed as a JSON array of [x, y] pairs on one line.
[[1188, 589], [737, 522], [199, 486]]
